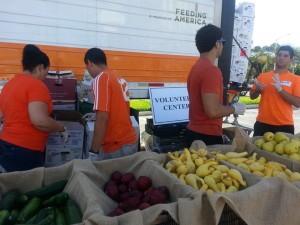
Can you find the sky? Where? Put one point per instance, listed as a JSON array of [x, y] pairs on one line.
[[276, 21]]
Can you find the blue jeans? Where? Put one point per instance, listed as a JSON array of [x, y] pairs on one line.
[[16, 158]]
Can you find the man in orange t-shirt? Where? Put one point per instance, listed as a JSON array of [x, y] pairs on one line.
[[280, 91], [114, 135], [205, 89]]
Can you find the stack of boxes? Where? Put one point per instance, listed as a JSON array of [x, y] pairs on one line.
[[242, 31], [62, 86]]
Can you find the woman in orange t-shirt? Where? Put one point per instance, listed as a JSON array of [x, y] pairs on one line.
[[25, 107]]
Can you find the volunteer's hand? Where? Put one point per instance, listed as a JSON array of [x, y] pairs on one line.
[[90, 116], [259, 86], [276, 83], [239, 108], [65, 135]]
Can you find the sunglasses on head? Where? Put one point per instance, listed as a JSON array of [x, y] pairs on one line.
[[222, 40]]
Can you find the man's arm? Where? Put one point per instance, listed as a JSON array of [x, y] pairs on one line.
[[99, 129], [254, 93], [293, 100], [256, 89], [212, 107]]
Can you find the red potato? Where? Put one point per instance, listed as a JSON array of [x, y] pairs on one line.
[[133, 203], [127, 177], [116, 176], [133, 185], [113, 192], [144, 183], [123, 188], [144, 205], [116, 212], [110, 182], [157, 197]]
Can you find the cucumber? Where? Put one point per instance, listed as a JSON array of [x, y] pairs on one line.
[[21, 201], [30, 209], [59, 217], [47, 221], [12, 217], [48, 191], [8, 199], [32, 220], [72, 212], [4, 214], [57, 200], [43, 213]]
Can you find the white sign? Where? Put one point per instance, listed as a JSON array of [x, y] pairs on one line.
[[169, 104]]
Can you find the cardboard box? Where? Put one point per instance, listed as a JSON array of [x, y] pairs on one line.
[[76, 135], [62, 87], [58, 152], [59, 156], [247, 9], [247, 24]]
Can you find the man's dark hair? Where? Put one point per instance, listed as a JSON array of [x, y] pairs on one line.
[[32, 57], [287, 48], [96, 56], [207, 37]]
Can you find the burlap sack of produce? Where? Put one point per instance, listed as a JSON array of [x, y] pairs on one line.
[[272, 156], [32, 179], [271, 201], [199, 205], [141, 163], [28, 180]]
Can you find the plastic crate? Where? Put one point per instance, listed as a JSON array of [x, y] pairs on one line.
[[229, 217]]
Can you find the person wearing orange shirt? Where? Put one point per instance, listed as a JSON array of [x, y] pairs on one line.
[[205, 90], [25, 106], [279, 91], [114, 135]]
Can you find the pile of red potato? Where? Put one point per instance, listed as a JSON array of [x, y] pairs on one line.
[[132, 194]]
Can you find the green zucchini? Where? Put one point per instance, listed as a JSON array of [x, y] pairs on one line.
[[48, 191], [4, 214], [57, 200], [8, 199], [30, 209], [72, 212], [59, 217]]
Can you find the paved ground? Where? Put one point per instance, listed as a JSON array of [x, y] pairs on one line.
[[246, 120]]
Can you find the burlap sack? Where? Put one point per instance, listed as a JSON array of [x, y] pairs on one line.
[[238, 135], [141, 163], [32, 179], [271, 201]]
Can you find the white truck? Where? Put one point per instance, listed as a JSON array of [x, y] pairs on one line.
[[147, 42]]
